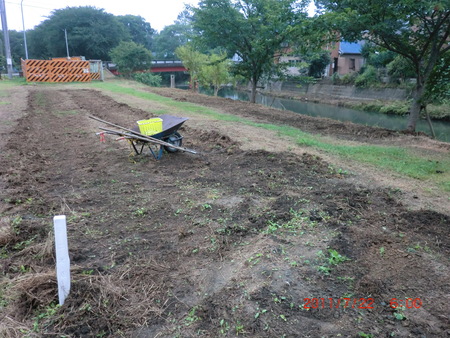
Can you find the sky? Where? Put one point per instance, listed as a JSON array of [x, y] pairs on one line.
[[159, 13]]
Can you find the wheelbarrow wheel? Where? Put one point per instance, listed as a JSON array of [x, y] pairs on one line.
[[174, 139]]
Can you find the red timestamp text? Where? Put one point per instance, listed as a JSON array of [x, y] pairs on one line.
[[409, 303], [332, 303]]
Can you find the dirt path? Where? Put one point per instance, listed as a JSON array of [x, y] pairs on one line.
[[229, 242]]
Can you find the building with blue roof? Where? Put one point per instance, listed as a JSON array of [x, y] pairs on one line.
[[346, 58]]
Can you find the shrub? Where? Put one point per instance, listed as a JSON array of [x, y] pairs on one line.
[[148, 79], [368, 78], [336, 78], [349, 79], [396, 107]]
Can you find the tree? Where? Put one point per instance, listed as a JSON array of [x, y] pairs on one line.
[[400, 69], [130, 57], [417, 30], [17, 46], [2, 64], [215, 72], [91, 33], [169, 39], [193, 61], [377, 56], [255, 30], [438, 86], [317, 62], [140, 31]]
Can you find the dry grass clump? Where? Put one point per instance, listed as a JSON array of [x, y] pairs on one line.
[[22, 297], [7, 234], [42, 250], [112, 302], [10, 328]]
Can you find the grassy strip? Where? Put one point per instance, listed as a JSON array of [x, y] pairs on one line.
[[6, 83], [397, 159]]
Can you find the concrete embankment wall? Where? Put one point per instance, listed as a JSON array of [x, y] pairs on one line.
[[340, 92]]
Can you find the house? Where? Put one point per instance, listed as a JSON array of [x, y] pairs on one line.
[[346, 58]]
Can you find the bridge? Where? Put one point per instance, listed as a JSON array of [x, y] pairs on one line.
[[159, 66]]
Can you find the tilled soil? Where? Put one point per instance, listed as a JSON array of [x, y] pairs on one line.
[[224, 243]]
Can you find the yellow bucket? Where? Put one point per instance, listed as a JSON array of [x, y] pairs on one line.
[[151, 126]]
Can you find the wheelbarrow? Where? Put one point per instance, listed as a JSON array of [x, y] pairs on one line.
[[169, 139], [169, 134]]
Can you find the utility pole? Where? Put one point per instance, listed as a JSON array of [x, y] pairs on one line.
[[67, 44], [24, 34], [6, 38]]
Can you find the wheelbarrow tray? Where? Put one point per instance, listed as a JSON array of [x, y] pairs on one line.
[[170, 125]]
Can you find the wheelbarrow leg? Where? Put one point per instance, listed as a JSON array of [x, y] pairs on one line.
[[138, 152], [157, 154]]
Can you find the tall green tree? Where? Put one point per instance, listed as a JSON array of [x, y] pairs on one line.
[[130, 57], [193, 60], [255, 30], [400, 69], [140, 31], [438, 86], [317, 62], [417, 30], [216, 72], [91, 33], [169, 39], [17, 47]]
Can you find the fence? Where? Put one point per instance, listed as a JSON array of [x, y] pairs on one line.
[[60, 70]]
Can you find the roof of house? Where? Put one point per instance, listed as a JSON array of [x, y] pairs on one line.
[[349, 47]]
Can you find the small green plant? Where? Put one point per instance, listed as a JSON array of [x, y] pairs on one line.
[[239, 328], [140, 212], [48, 312], [365, 335], [255, 259], [336, 171], [24, 244], [399, 314], [257, 314], [15, 223], [334, 258], [224, 326], [192, 317], [324, 269]]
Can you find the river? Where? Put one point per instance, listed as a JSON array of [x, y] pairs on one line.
[[395, 122]]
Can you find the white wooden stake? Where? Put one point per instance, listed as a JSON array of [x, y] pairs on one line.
[[62, 257]]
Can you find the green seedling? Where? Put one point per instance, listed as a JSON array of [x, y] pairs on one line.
[[224, 326], [398, 314], [192, 317], [140, 212]]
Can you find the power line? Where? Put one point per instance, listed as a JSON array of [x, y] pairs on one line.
[[14, 3]]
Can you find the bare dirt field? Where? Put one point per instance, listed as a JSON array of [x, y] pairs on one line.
[[251, 237]]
